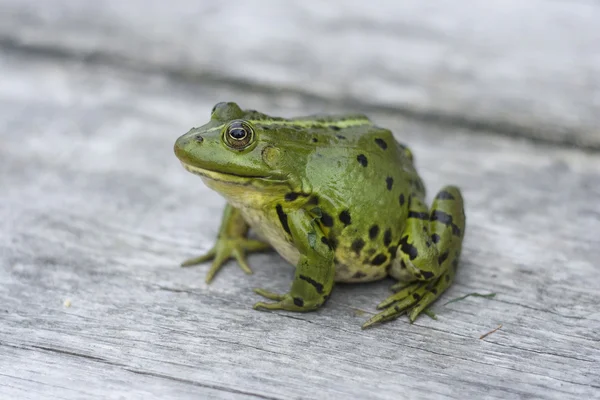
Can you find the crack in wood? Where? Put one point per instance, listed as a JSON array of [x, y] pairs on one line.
[[142, 372], [203, 385]]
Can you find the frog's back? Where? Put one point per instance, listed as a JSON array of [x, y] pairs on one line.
[[364, 179]]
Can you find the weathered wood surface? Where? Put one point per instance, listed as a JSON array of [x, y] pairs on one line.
[[526, 68], [95, 209]]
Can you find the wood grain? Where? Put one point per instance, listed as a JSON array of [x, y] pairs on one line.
[[517, 68], [96, 210]]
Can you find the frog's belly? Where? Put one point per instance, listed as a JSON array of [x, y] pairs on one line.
[[271, 233], [347, 268]]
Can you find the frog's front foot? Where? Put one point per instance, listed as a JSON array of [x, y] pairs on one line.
[[412, 298], [225, 249], [284, 302]]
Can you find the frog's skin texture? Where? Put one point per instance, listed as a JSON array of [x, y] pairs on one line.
[[336, 196]]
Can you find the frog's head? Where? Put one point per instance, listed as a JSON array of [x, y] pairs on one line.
[[240, 148]]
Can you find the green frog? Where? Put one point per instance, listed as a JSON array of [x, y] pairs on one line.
[[336, 196]]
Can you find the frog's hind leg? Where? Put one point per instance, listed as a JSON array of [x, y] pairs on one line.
[[429, 258]]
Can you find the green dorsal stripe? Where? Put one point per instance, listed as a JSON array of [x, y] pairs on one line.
[[308, 123]]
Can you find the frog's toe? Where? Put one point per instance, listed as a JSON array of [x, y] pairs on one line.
[[218, 262], [428, 294], [240, 250], [248, 246], [241, 258], [199, 260], [421, 305], [400, 295], [388, 314], [286, 302], [269, 295], [261, 305], [282, 302]]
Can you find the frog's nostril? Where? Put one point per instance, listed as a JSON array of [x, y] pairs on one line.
[[198, 138]]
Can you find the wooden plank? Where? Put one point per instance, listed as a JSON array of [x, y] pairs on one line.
[[518, 68], [96, 209]]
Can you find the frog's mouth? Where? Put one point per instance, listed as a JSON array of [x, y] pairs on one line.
[[224, 177]]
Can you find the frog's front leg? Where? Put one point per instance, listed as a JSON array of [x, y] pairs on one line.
[[232, 241], [428, 255], [315, 270]]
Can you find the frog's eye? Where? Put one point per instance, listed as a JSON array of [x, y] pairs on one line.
[[238, 135]]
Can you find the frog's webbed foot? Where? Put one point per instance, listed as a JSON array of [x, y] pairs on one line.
[[225, 249], [283, 302], [412, 298]]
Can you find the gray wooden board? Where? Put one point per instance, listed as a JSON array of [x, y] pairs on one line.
[[522, 68], [95, 209]]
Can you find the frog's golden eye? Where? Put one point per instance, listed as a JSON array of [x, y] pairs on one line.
[[238, 135]]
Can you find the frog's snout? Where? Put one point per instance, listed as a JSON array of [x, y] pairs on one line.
[[179, 147], [184, 144], [189, 148]]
